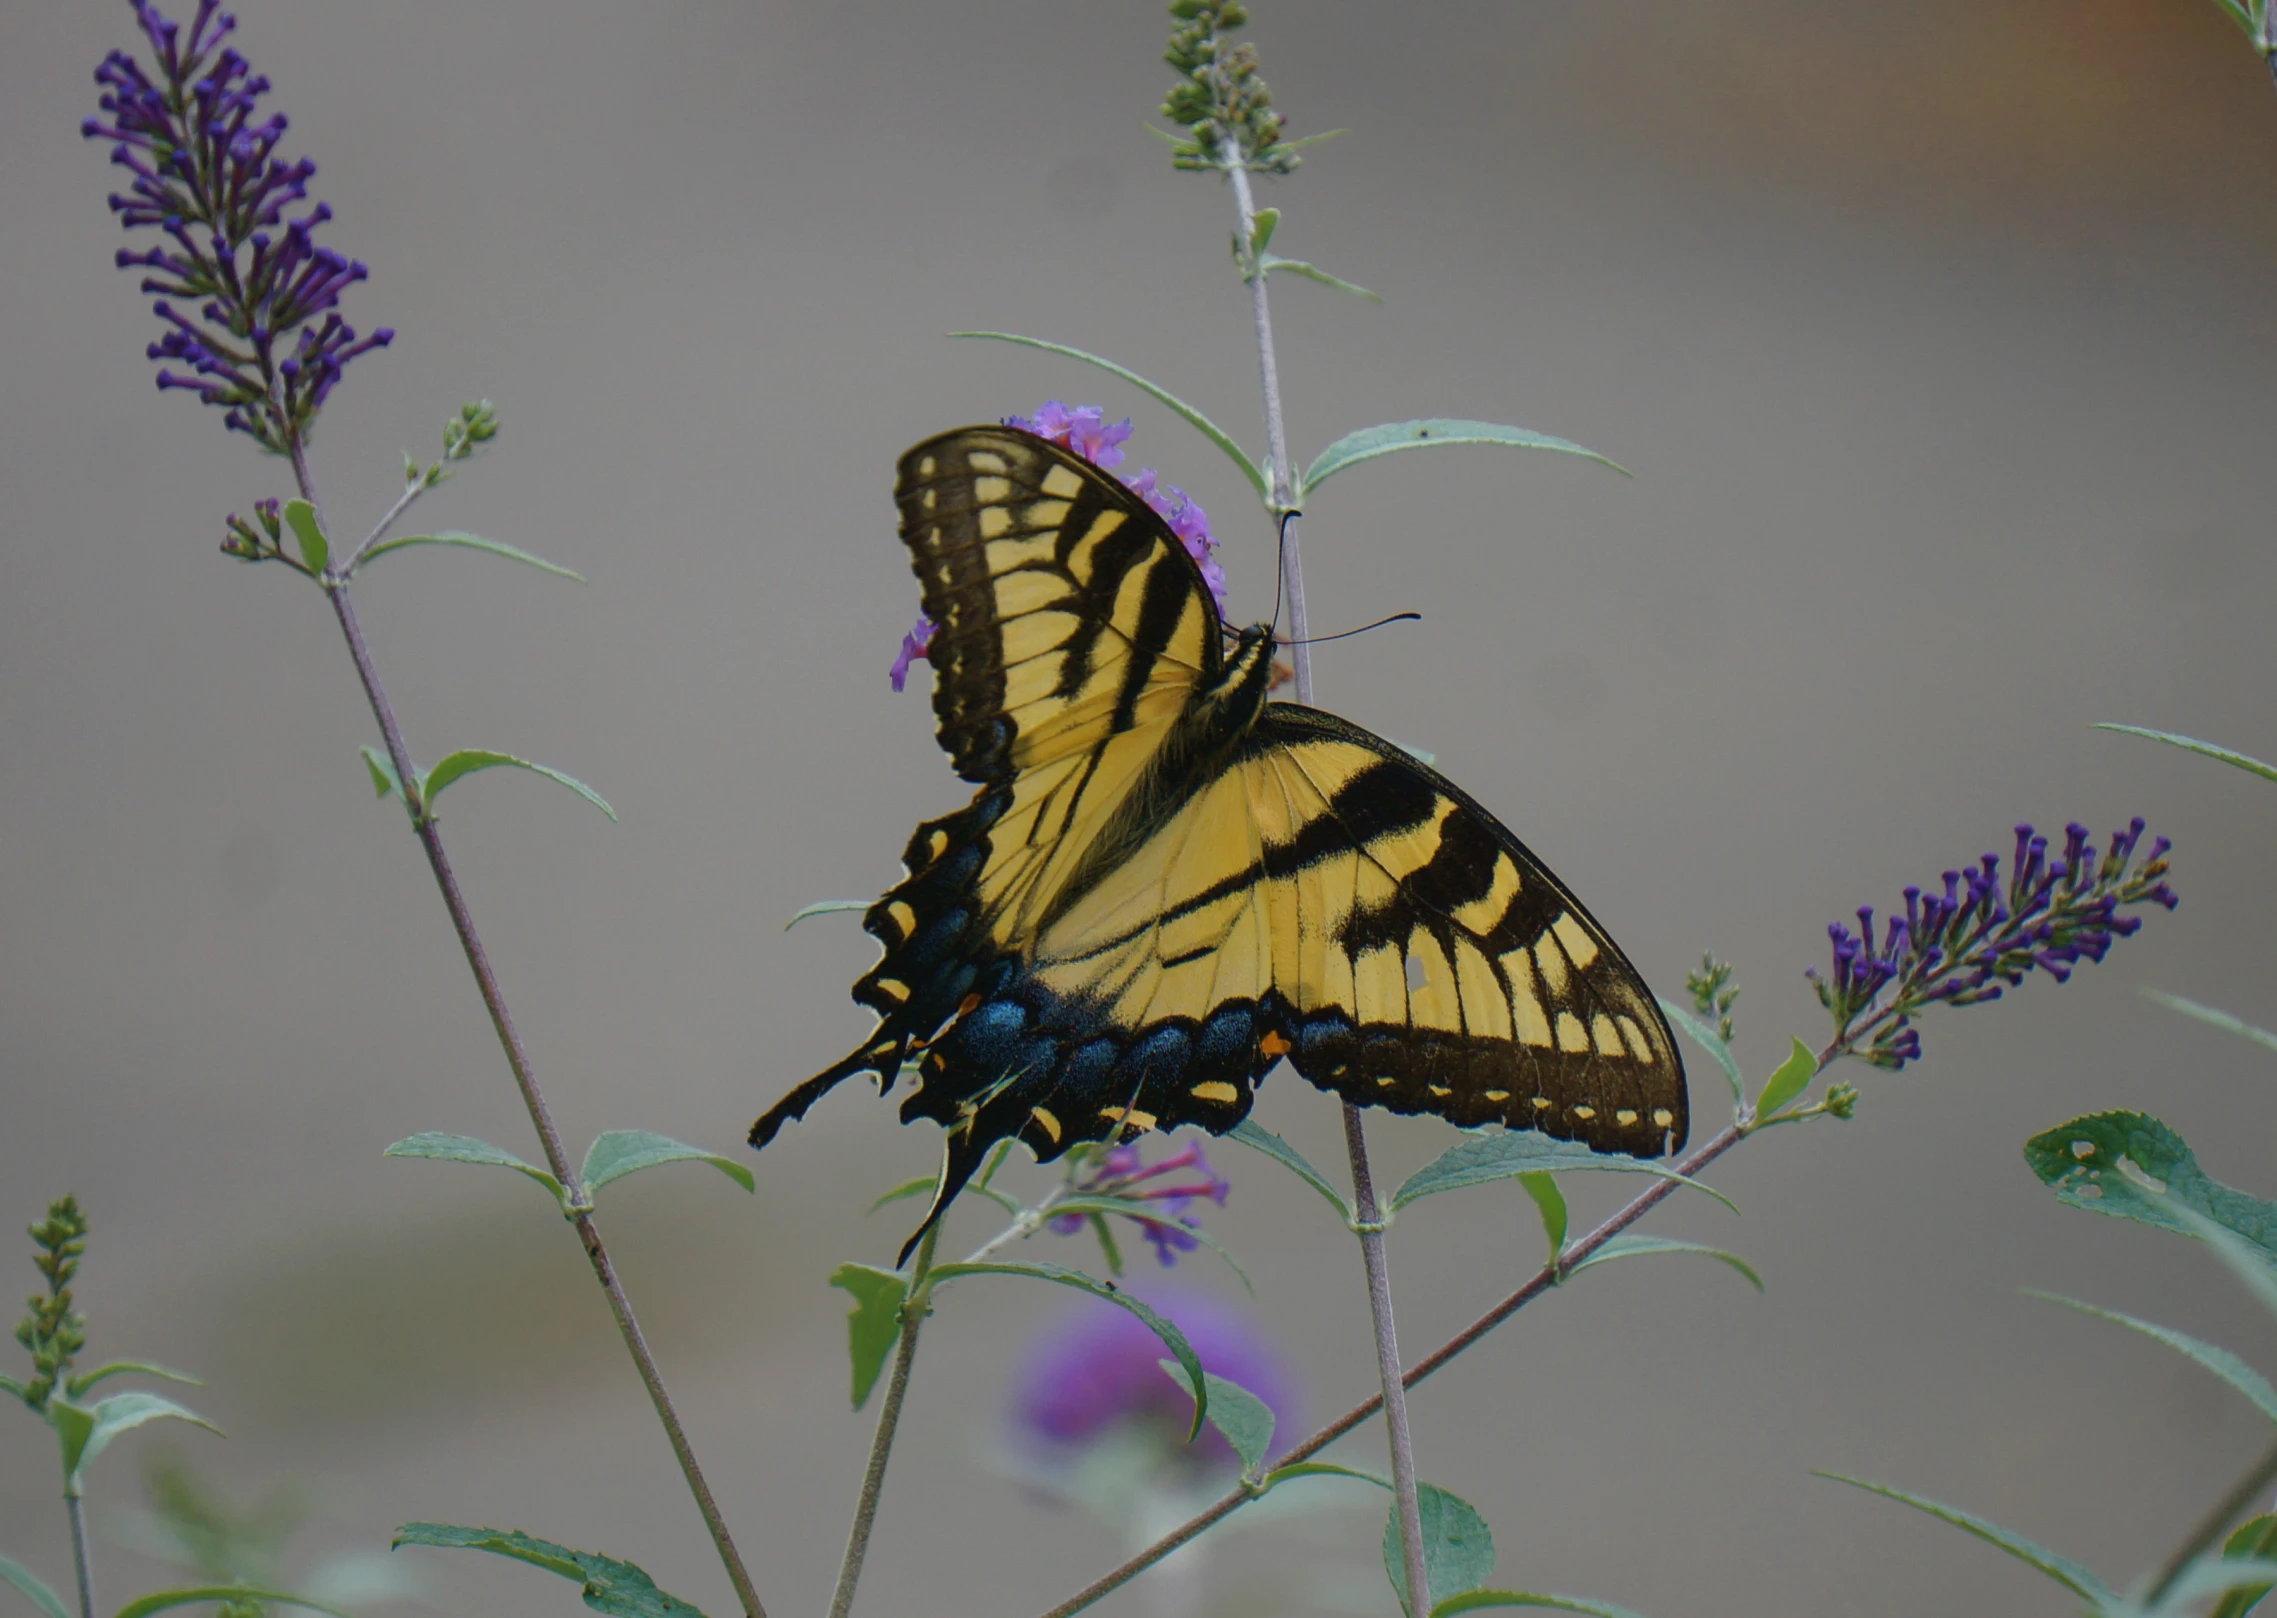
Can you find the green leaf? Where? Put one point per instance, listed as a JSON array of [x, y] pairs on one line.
[[80, 1384], [1322, 1469], [1504, 1154], [2219, 1019], [923, 1186], [2220, 1361], [1543, 1188], [873, 1325], [827, 907], [2250, 1541], [1257, 1138], [1711, 1042], [2244, 761], [1091, 1206], [1430, 433], [2240, 13], [33, 1588], [300, 517], [2216, 1575], [613, 1587], [87, 1430], [1262, 224], [1297, 266], [1458, 1549], [1244, 1419], [466, 1149], [1633, 1246], [2131, 1166], [475, 542], [1194, 418], [1480, 1600], [1792, 1078], [2246, 1260], [226, 1595], [467, 760], [620, 1152], [1172, 1338], [384, 779], [2080, 1581]]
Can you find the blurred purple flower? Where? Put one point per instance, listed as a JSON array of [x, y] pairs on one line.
[[913, 647], [208, 177], [1123, 1173], [1097, 1370], [1959, 947], [1082, 428]]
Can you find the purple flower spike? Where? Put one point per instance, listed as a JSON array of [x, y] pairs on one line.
[[1123, 1172], [207, 177], [1967, 945], [1097, 1371]]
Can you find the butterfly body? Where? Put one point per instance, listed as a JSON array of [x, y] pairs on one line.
[[1168, 883]]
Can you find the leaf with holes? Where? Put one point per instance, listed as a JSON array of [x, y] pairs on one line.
[[1504, 1154], [1458, 1549], [2131, 1166], [616, 1588], [2079, 1580], [619, 1152], [873, 1325], [1245, 1420]]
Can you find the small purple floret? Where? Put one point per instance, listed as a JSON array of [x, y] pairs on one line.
[[913, 647], [1123, 1172]]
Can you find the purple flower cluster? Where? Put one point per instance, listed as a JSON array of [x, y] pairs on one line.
[[1098, 1369], [1086, 430], [1124, 1173], [1961, 946], [207, 175]]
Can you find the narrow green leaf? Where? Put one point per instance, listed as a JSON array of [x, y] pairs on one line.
[[2217, 1575], [2252, 1540], [1172, 1338], [1322, 1469], [1297, 266], [1257, 1138], [1633, 1246], [1480, 1600], [300, 517], [10, 1385], [2219, 1019], [87, 1430], [466, 1149], [828, 907], [451, 766], [80, 1384], [2244, 761], [617, 1588], [2238, 12], [1480, 1159], [2080, 1581], [384, 779], [2220, 1361], [1244, 1419], [1543, 1188], [923, 1186], [1792, 1078], [33, 1588], [1711, 1042], [2248, 1261], [475, 542], [1194, 418], [1094, 1206], [224, 1594], [1111, 1252], [1393, 436], [619, 1152], [2131, 1166], [1458, 1548], [1262, 224], [873, 1325]]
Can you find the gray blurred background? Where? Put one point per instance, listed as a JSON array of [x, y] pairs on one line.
[[1943, 340]]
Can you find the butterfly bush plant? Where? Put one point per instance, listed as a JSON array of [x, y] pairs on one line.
[[1165, 1417]]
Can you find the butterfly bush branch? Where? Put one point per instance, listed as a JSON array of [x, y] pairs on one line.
[[916, 1304]]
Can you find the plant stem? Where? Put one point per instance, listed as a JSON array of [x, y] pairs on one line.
[[915, 1306], [517, 1058], [2249, 1488], [1368, 1219], [76, 1509], [1543, 1280]]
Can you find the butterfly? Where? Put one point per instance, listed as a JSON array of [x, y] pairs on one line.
[[1168, 883]]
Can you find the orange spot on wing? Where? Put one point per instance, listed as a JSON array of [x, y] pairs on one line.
[[1273, 1045]]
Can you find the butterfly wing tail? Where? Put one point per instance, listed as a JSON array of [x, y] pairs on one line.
[[869, 1059]]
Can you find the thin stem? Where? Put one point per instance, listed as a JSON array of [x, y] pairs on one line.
[[1369, 1222], [1276, 442], [2249, 1488], [411, 491], [915, 1306], [76, 1509], [1543, 1280]]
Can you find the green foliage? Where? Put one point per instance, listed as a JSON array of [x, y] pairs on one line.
[[2080, 1581], [1504, 1154], [1458, 1548], [1636, 1246], [193, 1524], [31, 1587], [2252, 1540], [873, 1325], [384, 779], [1480, 1600], [1713, 992], [474, 542], [1791, 1079], [1710, 1040], [467, 760], [2131, 1166], [1257, 1138], [466, 1149], [619, 1152], [101, 1374], [1095, 1205], [1245, 1420], [609, 1586], [1224, 107], [87, 1430], [315, 550], [2216, 1018], [1543, 1188], [2220, 1361], [2243, 761], [53, 1331], [227, 1596], [1430, 433], [924, 1185], [1186, 412]]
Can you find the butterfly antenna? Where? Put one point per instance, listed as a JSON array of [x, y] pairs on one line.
[[1347, 634]]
